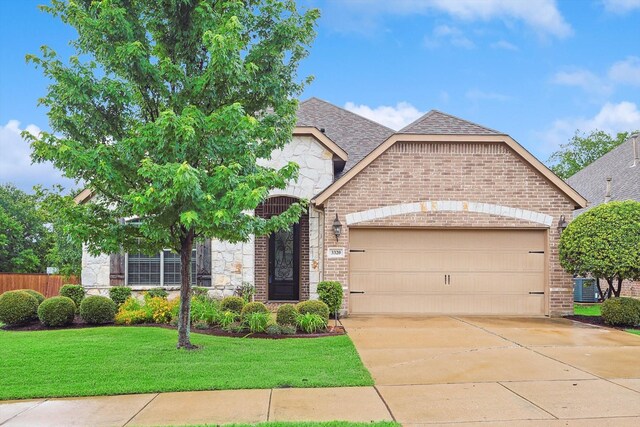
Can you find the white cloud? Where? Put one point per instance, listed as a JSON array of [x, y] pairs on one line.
[[479, 95], [583, 79], [449, 35], [621, 6], [626, 72], [542, 16], [612, 118], [15, 162], [503, 44], [394, 117]]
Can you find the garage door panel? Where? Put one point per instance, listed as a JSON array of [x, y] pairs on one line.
[[447, 271]]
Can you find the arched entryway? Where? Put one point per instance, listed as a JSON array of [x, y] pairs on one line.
[[282, 258]]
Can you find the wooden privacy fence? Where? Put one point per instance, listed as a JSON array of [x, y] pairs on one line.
[[47, 284]]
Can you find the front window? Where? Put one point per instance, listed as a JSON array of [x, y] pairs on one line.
[[162, 269]]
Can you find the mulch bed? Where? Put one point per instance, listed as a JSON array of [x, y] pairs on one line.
[[78, 323], [597, 321]]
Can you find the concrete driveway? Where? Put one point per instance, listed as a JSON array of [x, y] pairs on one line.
[[505, 371]]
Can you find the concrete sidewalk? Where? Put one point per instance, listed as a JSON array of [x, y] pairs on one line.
[[202, 407]]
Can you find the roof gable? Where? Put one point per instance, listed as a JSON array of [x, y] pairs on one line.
[[438, 123], [356, 135]]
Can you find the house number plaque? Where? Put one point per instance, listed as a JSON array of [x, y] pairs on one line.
[[335, 252]]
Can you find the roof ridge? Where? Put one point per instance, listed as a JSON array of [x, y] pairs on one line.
[[418, 120], [435, 111], [347, 111]]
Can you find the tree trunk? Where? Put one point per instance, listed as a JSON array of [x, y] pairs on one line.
[[601, 294], [619, 288], [184, 317]]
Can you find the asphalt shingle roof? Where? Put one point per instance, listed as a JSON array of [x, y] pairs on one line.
[[616, 164], [438, 123], [355, 134]]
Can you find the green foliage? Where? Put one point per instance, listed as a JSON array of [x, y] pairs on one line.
[[227, 318], [273, 329], [621, 311], [288, 329], [132, 317], [604, 242], [330, 293], [246, 291], [582, 150], [156, 293], [166, 110], [75, 292], [131, 304], [205, 310], [35, 294], [97, 310], [18, 307], [199, 291], [200, 324], [159, 310], [287, 314], [314, 307], [253, 307], [311, 323], [232, 303], [257, 321], [119, 294], [57, 311]]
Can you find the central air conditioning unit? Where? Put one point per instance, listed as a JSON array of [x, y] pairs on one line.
[[585, 290]]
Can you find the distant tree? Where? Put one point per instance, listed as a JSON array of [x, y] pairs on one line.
[[582, 150], [166, 113], [605, 243]]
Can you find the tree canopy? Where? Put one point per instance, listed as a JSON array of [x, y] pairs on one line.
[[605, 243], [165, 112], [582, 150]]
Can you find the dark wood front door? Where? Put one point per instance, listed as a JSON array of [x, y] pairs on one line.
[[284, 264]]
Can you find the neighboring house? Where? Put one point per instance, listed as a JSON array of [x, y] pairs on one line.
[[444, 216], [614, 176]]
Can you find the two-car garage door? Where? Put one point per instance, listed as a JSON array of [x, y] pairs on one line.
[[447, 271]]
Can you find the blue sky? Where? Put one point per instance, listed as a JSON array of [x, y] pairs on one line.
[[535, 69]]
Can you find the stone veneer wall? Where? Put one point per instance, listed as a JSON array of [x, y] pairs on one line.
[[488, 173]]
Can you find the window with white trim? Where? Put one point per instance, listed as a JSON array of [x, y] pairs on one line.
[[162, 269]]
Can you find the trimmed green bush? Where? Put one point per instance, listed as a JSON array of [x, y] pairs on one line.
[[36, 294], [75, 292], [621, 311], [253, 307], [119, 294], [287, 315], [57, 311], [288, 329], [97, 310], [156, 293], [330, 293], [17, 307], [232, 303], [314, 307]]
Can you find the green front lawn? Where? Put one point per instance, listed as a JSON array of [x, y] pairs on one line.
[[633, 331], [312, 424], [586, 310], [121, 360]]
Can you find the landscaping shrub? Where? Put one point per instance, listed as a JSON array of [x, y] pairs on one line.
[[131, 317], [621, 311], [227, 318], [246, 291], [253, 307], [287, 315], [35, 294], [200, 324], [257, 322], [159, 310], [273, 329], [156, 293], [330, 293], [311, 322], [57, 311], [97, 310], [199, 291], [204, 309], [314, 307], [130, 304], [75, 292], [119, 294], [288, 329], [232, 303], [17, 307]]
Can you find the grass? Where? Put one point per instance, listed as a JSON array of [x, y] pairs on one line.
[[313, 424], [633, 331], [586, 310], [122, 360]]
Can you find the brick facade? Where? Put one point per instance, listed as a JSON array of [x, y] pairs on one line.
[[474, 172]]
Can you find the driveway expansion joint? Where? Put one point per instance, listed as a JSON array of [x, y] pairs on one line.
[[22, 412], [141, 409], [527, 400], [393, 417]]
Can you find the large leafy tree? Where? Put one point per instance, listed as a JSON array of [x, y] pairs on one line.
[[582, 150], [604, 242], [166, 112]]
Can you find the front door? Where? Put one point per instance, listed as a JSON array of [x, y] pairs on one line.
[[284, 264]]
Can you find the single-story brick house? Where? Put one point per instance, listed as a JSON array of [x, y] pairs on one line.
[[443, 216], [614, 176]]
